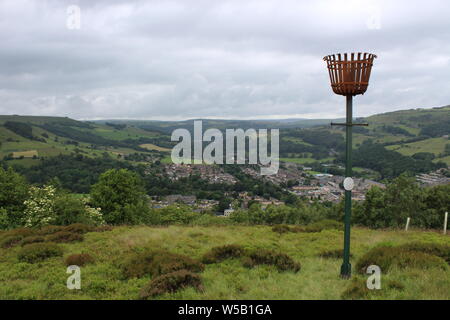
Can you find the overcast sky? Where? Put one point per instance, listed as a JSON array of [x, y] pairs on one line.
[[216, 58]]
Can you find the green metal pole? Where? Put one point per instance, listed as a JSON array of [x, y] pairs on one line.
[[346, 268]]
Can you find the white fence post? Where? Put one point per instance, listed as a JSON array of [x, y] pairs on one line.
[[407, 223], [445, 222]]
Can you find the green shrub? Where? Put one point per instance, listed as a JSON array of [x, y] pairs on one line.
[[281, 228], [31, 239], [79, 228], [159, 262], [280, 260], [65, 236], [36, 252], [79, 259], [395, 285], [333, 254], [221, 253], [50, 229], [386, 257], [171, 282]]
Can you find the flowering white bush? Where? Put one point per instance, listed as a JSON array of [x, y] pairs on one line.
[[94, 215], [40, 207]]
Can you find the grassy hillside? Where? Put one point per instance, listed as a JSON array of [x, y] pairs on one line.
[[229, 279]]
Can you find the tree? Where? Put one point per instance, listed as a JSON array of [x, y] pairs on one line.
[[121, 196], [13, 192]]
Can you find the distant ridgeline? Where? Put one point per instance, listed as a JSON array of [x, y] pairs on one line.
[[413, 141]]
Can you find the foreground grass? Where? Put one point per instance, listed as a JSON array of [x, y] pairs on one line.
[[318, 278]]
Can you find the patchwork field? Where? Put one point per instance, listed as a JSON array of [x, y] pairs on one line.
[[318, 278]]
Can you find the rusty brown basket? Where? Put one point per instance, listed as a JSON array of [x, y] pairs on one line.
[[350, 76]]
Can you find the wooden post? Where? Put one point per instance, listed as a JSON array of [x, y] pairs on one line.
[[407, 223], [445, 222]]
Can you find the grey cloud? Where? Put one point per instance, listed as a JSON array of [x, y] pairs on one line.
[[233, 59]]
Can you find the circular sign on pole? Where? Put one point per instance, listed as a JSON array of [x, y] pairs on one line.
[[348, 184]]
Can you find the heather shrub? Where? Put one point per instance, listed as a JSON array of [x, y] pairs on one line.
[[36, 252], [357, 289], [435, 249], [49, 229], [31, 239], [386, 257], [171, 282], [79, 259], [221, 253], [159, 262], [281, 228], [280, 260], [65, 236], [333, 254], [78, 228], [10, 241], [103, 228], [324, 225]]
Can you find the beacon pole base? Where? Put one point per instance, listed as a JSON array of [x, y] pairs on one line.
[[346, 270]]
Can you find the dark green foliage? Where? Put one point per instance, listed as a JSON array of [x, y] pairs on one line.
[[396, 130], [388, 163], [281, 228], [14, 191], [436, 129], [333, 254], [65, 236], [121, 196], [76, 173], [36, 252], [218, 254], [171, 282], [79, 259], [20, 128], [69, 210], [158, 262], [401, 199], [387, 257], [31, 239], [280, 260]]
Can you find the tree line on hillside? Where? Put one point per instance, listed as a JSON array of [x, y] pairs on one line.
[[119, 197]]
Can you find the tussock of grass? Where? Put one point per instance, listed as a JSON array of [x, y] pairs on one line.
[[402, 257], [31, 239], [218, 254], [78, 228], [357, 289], [281, 228], [79, 259], [155, 263], [435, 249], [50, 229], [171, 282], [64, 236], [314, 227], [36, 252], [268, 257], [333, 254]]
